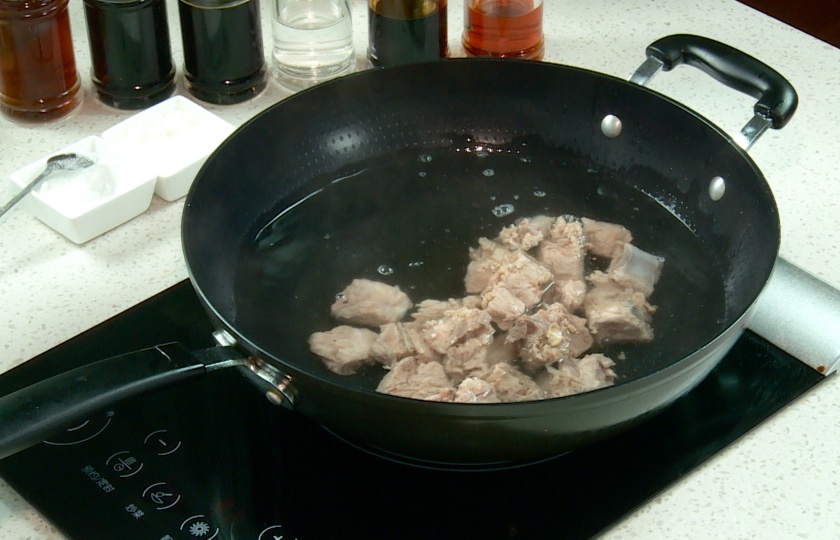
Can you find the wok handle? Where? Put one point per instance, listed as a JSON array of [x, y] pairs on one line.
[[777, 99], [36, 412]]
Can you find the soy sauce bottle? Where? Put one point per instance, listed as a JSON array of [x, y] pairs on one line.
[[224, 62], [38, 76], [404, 31], [130, 52]]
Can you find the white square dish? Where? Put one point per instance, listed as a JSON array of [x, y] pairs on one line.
[[85, 203], [176, 136]]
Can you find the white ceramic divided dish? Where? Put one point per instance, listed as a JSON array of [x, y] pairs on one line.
[[85, 203], [175, 136]]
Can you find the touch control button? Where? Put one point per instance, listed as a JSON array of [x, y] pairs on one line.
[[198, 527], [161, 442], [83, 431], [124, 464], [161, 496], [275, 532]]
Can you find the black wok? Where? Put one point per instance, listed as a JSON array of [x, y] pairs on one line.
[[392, 174]]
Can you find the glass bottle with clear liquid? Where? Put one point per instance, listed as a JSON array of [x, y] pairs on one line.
[[313, 41]]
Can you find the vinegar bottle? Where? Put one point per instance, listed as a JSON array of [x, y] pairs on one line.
[[38, 77], [403, 31]]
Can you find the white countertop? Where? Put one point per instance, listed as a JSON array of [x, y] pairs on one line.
[[780, 481]]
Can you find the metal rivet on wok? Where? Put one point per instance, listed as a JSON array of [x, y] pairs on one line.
[[717, 187], [276, 398], [611, 126]]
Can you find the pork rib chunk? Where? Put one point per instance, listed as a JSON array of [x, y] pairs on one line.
[[550, 335], [602, 238], [511, 384], [516, 286], [524, 234], [615, 313], [344, 349], [398, 340], [474, 390], [574, 376], [370, 303], [418, 380], [635, 269], [563, 250]]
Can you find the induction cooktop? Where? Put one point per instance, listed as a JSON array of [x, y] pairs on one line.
[[213, 459]]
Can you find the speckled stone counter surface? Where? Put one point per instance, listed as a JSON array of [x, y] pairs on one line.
[[780, 481]]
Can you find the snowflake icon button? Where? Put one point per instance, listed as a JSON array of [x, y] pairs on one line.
[[198, 527]]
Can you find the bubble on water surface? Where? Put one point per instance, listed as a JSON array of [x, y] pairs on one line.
[[525, 159], [385, 270], [488, 172], [424, 158], [415, 264], [422, 174], [539, 193], [503, 210]]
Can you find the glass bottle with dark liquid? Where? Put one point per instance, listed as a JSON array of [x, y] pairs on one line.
[[224, 61], [403, 31], [38, 77], [130, 52]]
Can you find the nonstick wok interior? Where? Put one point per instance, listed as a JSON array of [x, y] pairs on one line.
[[425, 167], [424, 158]]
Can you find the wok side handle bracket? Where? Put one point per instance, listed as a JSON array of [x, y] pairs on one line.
[[777, 99], [39, 411]]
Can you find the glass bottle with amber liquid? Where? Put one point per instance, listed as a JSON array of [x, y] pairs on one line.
[[504, 29], [38, 76], [404, 31]]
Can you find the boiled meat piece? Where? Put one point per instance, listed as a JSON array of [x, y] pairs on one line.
[[563, 251], [574, 376], [398, 340], [344, 349], [602, 238], [550, 335], [504, 306], [485, 260], [635, 269], [615, 313], [430, 310], [511, 384], [516, 286], [418, 380], [466, 358], [370, 303], [474, 390], [538, 297], [569, 293], [457, 326], [502, 351], [524, 234]]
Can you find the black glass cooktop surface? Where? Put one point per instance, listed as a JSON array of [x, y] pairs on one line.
[[213, 459]]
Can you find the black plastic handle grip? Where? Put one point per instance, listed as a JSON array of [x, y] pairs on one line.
[[34, 413], [777, 99]]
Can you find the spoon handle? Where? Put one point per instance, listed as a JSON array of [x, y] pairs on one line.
[[25, 191]]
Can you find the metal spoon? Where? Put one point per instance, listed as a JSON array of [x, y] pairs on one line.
[[60, 162]]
